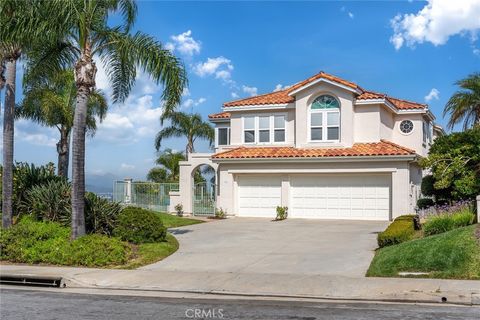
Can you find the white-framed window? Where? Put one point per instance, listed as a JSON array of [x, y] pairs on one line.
[[223, 136], [324, 119], [427, 132], [264, 129], [249, 130], [279, 128], [406, 126]]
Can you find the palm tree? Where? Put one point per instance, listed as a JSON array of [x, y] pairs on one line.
[[170, 160], [190, 126], [50, 101], [87, 33], [21, 27], [464, 105]]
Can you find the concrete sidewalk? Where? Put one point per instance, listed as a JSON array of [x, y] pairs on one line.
[[263, 285]]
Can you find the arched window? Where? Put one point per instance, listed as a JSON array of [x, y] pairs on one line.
[[325, 119]]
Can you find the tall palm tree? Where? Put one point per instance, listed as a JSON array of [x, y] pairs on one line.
[[464, 105], [50, 101], [21, 27], [186, 125], [87, 33]]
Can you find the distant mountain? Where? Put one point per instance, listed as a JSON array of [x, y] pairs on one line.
[[100, 182]]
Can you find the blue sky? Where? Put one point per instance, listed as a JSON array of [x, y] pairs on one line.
[[412, 50]]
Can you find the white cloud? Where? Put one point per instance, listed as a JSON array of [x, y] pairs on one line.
[[126, 166], [35, 134], [193, 103], [126, 123], [351, 15], [436, 23], [184, 43], [235, 95], [432, 95], [280, 87], [252, 91], [221, 67]]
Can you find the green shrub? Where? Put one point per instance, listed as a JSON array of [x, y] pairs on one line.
[[31, 241], [446, 222], [282, 213], [49, 202], [424, 203], [100, 214], [139, 225], [400, 230], [220, 213]]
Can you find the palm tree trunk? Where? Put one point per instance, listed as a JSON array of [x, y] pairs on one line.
[[8, 122], [63, 150], [85, 71], [189, 149]]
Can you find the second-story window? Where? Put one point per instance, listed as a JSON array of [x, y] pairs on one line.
[[264, 129], [325, 119], [249, 129], [223, 136], [279, 128]]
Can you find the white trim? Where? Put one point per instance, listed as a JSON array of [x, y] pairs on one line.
[[393, 108], [259, 107], [309, 171], [321, 159], [323, 80]]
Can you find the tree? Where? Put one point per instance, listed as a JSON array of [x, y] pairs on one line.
[[157, 175], [454, 161], [50, 101], [169, 161], [464, 105], [21, 27], [190, 126], [86, 32]]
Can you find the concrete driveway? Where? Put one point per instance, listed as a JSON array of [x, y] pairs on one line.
[[293, 246]]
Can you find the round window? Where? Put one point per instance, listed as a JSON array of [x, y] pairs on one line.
[[406, 126]]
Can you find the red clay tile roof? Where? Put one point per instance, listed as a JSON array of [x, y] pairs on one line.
[[282, 97], [398, 103], [383, 148], [221, 115]]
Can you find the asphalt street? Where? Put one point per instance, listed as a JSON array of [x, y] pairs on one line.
[[35, 305]]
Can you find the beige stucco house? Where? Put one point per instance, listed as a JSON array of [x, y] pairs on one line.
[[325, 147]]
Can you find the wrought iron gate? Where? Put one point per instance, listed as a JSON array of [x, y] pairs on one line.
[[204, 199]]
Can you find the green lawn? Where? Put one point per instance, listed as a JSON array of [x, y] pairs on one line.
[[172, 221], [147, 253], [453, 254]]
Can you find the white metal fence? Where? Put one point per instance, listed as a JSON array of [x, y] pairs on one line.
[[149, 195]]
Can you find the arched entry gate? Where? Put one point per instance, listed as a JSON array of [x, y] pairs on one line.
[[204, 199]]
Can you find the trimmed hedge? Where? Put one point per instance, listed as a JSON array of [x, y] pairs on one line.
[[400, 230], [139, 225]]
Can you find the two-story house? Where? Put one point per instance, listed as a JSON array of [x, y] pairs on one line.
[[325, 148]]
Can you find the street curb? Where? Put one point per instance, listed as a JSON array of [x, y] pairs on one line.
[[404, 297]]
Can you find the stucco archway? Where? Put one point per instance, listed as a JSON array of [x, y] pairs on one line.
[[187, 170]]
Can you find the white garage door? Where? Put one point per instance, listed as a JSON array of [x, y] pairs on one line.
[[357, 197], [258, 196]]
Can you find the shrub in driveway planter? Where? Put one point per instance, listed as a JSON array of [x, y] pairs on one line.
[[400, 230], [446, 222], [282, 213], [138, 225]]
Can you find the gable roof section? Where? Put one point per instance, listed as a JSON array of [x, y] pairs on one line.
[[400, 104], [221, 115], [284, 97], [382, 148]]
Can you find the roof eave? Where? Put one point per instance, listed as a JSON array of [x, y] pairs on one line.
[[409, 157], [308, 85]]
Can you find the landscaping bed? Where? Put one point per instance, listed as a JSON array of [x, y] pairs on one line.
[[445, 245], [452, 254]]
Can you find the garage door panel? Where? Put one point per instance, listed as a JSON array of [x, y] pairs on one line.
[[340, 197], [258, 196]]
